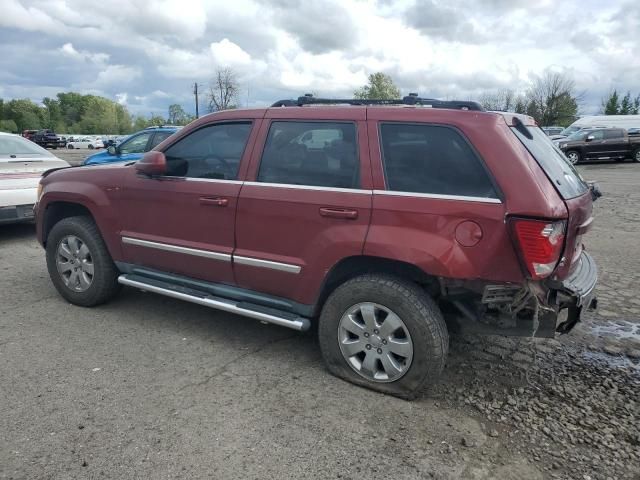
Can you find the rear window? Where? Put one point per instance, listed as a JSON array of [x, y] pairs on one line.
[[18, 146], [564, 176]]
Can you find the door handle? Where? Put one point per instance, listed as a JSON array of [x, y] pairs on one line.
[[339, 213], [214, 201]]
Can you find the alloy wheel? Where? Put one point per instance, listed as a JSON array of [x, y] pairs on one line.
[[75, 263], [375, 342], [573, 157]]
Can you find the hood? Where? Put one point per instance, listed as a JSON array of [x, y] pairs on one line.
[[28, 166]]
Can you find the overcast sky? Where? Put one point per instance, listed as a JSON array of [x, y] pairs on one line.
[[148, 53]]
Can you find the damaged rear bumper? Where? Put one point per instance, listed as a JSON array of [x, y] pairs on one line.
[[577, 292]]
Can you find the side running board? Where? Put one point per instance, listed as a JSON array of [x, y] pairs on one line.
[[264, 314]]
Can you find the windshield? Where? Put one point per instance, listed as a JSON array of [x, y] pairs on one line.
[[569, 130], [562, 174], [18, 146]]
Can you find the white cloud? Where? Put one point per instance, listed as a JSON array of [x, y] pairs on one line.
[[288, 47]]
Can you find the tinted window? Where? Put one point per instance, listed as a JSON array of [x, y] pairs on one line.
[[311, 153], [596, 134], [613, 134], [136, 144], [432, 159], [158, 138], [562, 174], [210, 152]]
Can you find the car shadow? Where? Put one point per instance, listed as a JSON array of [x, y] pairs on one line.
[[17, 231]]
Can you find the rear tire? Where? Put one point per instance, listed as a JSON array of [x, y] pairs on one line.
[[70, 147], [419, 317], [573, 156], [79, 263]]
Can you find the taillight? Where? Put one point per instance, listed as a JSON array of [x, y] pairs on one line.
[[541, 243]]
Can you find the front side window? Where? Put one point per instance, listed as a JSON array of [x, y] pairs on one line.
[[212, 152], [136, 144], [311, 153], [432, 159], [596, 134]]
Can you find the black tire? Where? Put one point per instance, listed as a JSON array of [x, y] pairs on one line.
[[105, 277], [418, 311], [569, 153], [635, 156], [90, 147], [70, 147]]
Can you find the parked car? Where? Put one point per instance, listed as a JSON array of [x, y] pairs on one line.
[[22, 162], [386, 225], [634, 131], [133, 147], [552, 130], [600, 144], [570, 130], [46, 139], [29, 133], [86, 142]]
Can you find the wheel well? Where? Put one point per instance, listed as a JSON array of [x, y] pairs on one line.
[[56, 211], [352, 267]]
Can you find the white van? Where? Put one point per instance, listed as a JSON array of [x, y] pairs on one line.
[[616, 121]]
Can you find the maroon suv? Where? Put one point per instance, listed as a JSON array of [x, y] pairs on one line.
[[389, 222]]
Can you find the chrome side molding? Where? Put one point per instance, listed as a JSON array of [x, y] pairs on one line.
[[299, 323]]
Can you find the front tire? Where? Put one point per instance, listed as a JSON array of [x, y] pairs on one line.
[[79, 263], [70, 147], [636, 155], [383, 333], [573, 156]]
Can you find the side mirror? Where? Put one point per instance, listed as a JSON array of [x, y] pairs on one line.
[[590, 138], [152, 164], [111, 150]]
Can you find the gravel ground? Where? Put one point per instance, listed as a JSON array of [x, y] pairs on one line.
[[149, 387]]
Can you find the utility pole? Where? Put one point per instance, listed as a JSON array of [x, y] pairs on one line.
[[195, 92]]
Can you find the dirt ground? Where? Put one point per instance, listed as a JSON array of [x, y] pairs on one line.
[[150, 387]]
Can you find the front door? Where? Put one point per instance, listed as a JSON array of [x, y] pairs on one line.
[[183, 222], [596, 147], [309, 205]]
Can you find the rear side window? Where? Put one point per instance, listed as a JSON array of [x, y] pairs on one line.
[[158, 138], [432, 159], [562, 174], [212, 152], [612, 134], [311, 153]]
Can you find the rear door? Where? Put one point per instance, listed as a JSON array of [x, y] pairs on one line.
[[615, 142], [308, 204]]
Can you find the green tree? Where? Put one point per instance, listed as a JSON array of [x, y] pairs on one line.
[[520, 106], [26, 114], [177, 115], [380, 86], [611, 104], [635, 110], [626, 106], [552, 99], [8, 126]]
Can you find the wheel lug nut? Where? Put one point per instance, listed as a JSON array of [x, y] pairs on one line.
[[366, 334], [379, 350], [368, 347], [376, 332], [384, 342]]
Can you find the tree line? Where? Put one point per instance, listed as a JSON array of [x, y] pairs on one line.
[[71, 112]]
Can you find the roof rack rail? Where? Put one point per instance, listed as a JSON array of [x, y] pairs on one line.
[[411, 99]]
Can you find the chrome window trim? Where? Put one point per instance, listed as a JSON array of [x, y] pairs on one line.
[[177, 249], [311, 187], [214, 180], [256, 262], [437, 196]]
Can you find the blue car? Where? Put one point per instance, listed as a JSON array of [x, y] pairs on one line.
[[133, 147]]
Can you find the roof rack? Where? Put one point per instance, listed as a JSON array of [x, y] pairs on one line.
[[411, 99]]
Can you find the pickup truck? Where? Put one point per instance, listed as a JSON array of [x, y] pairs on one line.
[[46, 139], [600, 144]]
